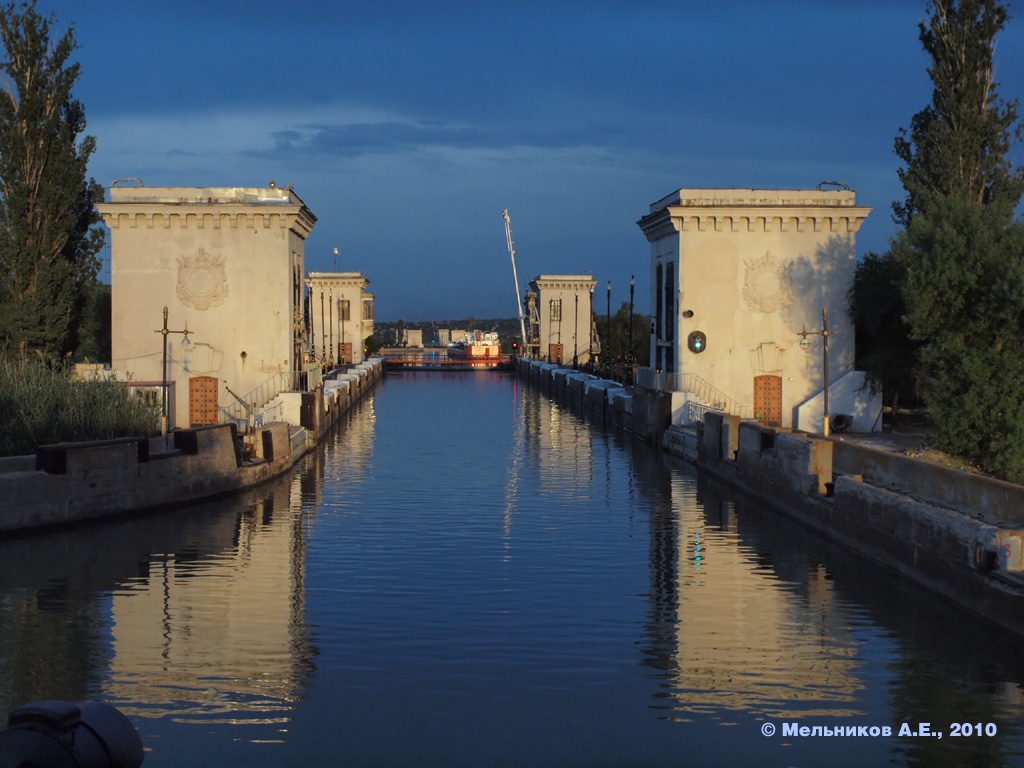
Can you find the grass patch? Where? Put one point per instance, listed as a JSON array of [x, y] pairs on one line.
[[41, 405]]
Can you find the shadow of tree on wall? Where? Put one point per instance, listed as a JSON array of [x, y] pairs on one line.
[[821, 282]]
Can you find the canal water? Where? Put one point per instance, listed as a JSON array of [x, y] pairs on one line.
[[468, 575]]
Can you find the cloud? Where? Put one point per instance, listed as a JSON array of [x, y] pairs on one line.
[[357, 139]]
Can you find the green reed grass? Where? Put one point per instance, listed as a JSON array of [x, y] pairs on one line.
[[42, 404]]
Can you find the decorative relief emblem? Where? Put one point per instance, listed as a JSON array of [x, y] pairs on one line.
[[202, 281], [768, 285]]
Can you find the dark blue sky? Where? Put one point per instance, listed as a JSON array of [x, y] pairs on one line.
[[408, 126]]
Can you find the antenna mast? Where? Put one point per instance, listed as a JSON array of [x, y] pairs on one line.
[[515, 276]]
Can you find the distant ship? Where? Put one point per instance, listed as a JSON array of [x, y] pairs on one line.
[[477, 347]]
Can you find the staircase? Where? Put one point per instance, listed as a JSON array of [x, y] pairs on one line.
[[709, 398]]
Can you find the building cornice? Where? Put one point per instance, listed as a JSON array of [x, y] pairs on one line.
[[564, 283], [346, 280], [160, 215], [836, 219]]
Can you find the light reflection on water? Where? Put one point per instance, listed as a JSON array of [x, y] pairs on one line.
[[466, 574]]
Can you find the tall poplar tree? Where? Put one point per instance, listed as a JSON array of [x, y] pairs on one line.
[[959, 143], [962, 252], [48, 241]]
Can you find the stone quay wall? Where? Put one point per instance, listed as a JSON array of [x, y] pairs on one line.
[[74, 482], [607, 403]]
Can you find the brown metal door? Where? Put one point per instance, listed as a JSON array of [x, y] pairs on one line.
[[768, 399], [202, 400], [555, 353], [345, 353]]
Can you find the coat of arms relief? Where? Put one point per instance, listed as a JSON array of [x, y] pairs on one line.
[[768, 285], [202, 280]]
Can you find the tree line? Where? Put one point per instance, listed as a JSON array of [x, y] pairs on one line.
[[939, 316]]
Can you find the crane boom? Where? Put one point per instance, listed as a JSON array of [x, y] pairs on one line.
[[515, 276]]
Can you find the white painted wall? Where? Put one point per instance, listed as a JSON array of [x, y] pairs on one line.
[[225, 262], [751, 269]]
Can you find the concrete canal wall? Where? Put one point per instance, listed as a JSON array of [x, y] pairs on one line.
[[73, 482], [956, 533]]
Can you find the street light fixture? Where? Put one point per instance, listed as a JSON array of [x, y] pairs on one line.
[[331, 358], [805, 344], [575, 333], [590, 329], [629, 351], [606, 356], [163, 398], [323, 334], [343, 310]]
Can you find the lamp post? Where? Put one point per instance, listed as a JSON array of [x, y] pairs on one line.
[[323, 336], [343, 310], [805, 344], [629, 351], [575, 332], [163, 370], [590, 330], [558, 337], [309, 314], [607, 355], [331, 359]]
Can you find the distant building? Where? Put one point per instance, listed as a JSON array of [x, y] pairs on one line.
[[228, 263], [737, 276], [564, 322], [342, 316], [412, 337]]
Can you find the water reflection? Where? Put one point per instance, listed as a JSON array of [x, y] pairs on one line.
[[190, 614], [752, 614], [730, 635], [466, 574], [216, 629]]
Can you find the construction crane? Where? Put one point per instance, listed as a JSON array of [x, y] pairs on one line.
[[515, 276]]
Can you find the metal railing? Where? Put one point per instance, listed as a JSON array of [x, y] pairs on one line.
[[710, 398], [250, 406], [695, 412], [268, 415]]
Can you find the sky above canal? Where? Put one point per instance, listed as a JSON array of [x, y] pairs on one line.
[[407, 127]]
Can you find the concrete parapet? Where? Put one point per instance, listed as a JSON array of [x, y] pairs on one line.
[[806, 462], [604, 402], [971, 558], [682, 441], [575, 385], [596, 400], [652, 414], [913, 530], [546, 375], [81, 481], [216, 443], [797, 463], [17, 463], [81, 459], [274, 443], [995, 500], [720, 436]]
